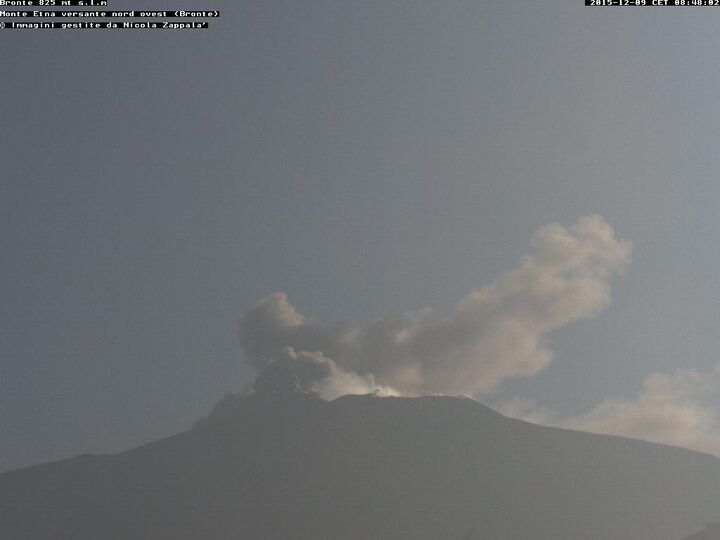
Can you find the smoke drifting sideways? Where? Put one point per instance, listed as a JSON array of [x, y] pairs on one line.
[[677, 409], [494, 333]]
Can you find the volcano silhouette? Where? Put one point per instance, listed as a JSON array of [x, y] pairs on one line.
[[295, 467]]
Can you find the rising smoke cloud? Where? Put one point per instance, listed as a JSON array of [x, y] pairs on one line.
[[494, 333]]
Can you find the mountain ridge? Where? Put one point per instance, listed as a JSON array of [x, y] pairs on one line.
[[362, 467]]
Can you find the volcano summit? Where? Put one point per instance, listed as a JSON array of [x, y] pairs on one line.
[[295, 467]]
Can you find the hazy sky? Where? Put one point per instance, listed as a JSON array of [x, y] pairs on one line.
[[364, 158]]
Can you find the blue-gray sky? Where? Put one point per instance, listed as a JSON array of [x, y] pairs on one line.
[[364, 158]]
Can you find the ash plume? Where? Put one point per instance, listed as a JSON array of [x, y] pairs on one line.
[[494, 333]]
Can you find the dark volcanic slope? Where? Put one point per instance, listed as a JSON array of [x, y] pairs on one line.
[[367, 468]]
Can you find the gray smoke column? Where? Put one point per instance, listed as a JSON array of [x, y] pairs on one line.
[[494, 333]]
